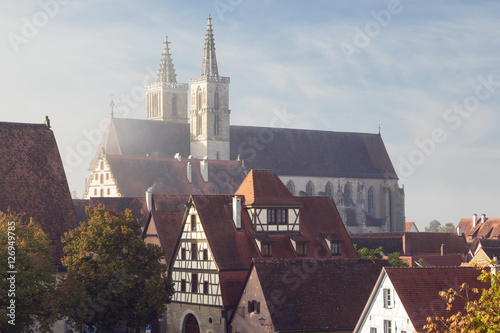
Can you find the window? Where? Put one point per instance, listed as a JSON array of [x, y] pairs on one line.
[[107, 175], [205, 287], [96, 176], [216, 99], [205, 254], [109, 191], [335, 249], [387, 298], [216, 125], [387, 326], [277, 216], [102, 178], [174, 105], [373, 330], [370, 202], [291, 187], [183, 285], [309, 189], [300, 249], [199, 126], [198, 99], [95, 192], [253, 306], [347, 196], [183, 254], [102, 165], [328, 189], [102, 192], [194, 283], [194, 251], [193, 222], [265, 250]]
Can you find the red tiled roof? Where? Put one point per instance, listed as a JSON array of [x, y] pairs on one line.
[[117, 204], [489, 229], [317, 294], [408, 226], [231, 284], [168, 227], [134, 175], [301, 152], [264, 187], [437, 260], [490, 246], [430, 242], [418, 289], [32, 179]]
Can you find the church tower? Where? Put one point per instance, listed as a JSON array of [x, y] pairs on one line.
[[167, 99], [210, 107]]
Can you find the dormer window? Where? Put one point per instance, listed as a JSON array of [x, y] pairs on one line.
[[264, 244], [299, 243], [277, 216], [334, 242]]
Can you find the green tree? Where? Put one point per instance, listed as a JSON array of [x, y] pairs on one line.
[[480, 315], [395, 260], [366, 253], [448, 228], [26, 296], [114, 279], [434, 226]]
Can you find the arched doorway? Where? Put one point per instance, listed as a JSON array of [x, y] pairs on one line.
[[191, 324]]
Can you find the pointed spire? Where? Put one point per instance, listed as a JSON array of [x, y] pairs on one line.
[[209, 66], [166, 72], [112, 105]]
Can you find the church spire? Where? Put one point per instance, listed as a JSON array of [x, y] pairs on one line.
[[166, 72], [209, 66]]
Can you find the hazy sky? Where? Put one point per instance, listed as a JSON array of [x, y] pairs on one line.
[[428, 71]]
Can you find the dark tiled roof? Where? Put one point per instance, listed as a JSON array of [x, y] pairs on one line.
[[437, 260], [418, 289], [430, 242], [134, 175], [169, 202], [263, 187], [286, 151], [312, 153], [118, 204], [32, 179], [490, 246], [325, 295], [231, 284], [390, 242], [168, 227]]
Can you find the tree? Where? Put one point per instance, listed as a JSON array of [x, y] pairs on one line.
[[480, 315], [114, 279], [378, 253], [28, 282], [435, 226]]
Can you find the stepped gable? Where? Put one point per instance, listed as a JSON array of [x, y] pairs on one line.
[[136, 174], [330, 295], [263, 187], [418, 289], [32, 180], [298, 152]]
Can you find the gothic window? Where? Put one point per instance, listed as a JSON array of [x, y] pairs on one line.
[[216, 99], [291, 187], [309, 188], [216, 125], [347, 196], [390, 211], [328, 189], [174, 104], [217, 156], [370, 202], [198, 99], [199, 128]]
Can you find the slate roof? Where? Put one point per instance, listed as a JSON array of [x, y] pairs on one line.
[[32, 179], [294, 152], [418, 289], [328, 295], [118, 204], [135, 174], [489, 229]]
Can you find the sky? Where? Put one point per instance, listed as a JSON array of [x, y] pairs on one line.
[[426, 72]]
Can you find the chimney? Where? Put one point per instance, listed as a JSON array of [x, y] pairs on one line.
[[443, 249], [189, 172], [204, 170], [149, 199], [459, 231], [237, 212], [474, 220], [483, 218], [178, 157]]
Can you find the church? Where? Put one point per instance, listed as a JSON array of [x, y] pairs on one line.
[[187, 134]]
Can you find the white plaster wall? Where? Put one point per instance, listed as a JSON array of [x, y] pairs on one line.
[[94, 185]]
